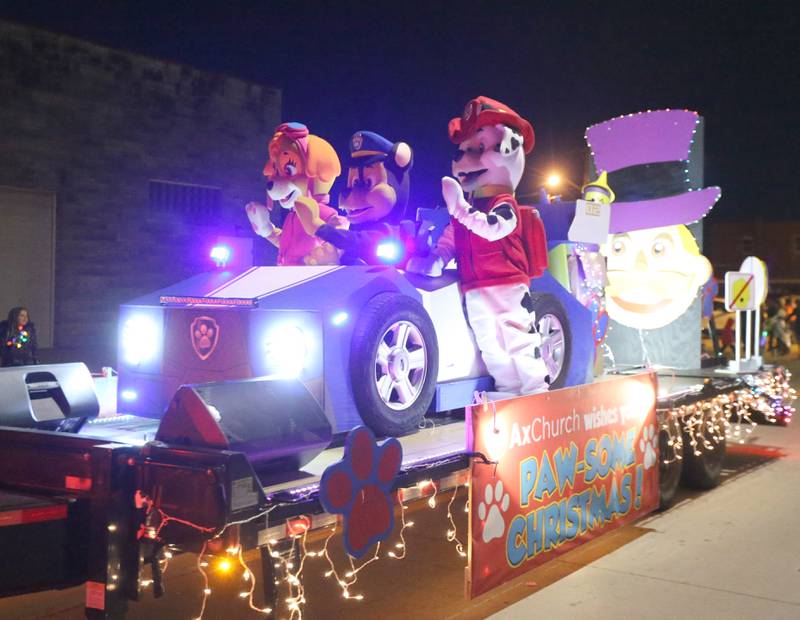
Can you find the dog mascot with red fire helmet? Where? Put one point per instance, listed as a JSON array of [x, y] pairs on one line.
[[301, 168], [487, 238]]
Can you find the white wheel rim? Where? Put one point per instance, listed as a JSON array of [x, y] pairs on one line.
[[552, 347], [401, 365]]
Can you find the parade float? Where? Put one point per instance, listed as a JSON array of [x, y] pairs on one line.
[[546, 358]]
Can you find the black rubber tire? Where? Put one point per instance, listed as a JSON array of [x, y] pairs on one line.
[[669, 474], [703, 471], [375, 318], [543, 304]]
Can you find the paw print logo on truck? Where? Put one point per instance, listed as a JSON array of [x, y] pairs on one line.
[[204, 334]]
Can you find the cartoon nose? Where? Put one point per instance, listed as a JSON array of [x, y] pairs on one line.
[[270, 184], [641, 261]]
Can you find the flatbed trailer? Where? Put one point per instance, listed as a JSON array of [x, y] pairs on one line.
[[106, 504]]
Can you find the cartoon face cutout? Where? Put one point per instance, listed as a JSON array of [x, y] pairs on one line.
[[285, 172], [493, 155], [653, 275]]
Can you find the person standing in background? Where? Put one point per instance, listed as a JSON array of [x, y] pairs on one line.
[[19, 339]]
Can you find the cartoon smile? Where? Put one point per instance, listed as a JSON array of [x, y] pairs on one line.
[[354, 211], [643, 308], [288, 197], [471, 175]]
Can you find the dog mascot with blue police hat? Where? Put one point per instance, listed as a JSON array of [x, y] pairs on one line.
[[374, 201]]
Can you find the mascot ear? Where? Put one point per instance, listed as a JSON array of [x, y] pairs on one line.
[[403, 156], [322, 163]]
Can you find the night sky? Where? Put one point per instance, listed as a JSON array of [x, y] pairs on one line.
[[405, 68]]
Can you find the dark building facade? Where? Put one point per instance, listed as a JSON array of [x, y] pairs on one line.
[[146, 163], [777, 243]]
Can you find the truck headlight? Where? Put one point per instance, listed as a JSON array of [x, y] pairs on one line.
[[140, 339], [286, 349]]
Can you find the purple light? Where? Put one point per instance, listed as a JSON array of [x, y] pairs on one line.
[[221, 254]]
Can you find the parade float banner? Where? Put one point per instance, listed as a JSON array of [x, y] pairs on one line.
[[569, 465]]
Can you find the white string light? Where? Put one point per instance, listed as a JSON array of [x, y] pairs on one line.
[[728, 416], [452, 531]]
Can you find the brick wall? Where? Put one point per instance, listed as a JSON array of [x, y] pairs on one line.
[[95, 125]]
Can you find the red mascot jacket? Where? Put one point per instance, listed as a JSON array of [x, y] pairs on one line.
[[489, 263]]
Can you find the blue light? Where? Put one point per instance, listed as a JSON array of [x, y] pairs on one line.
[[128, 395], [389, 251], [221, 254], [340, 318]]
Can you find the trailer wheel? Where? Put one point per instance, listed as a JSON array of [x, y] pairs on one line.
[[553, 325], [669, 473], [702, 471], [394, 361]]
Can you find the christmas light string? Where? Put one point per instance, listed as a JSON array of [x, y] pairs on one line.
[[206, 590], [296, 598], [351, 577], [250, 579], [452, 531], [705, 424], [403, 525]]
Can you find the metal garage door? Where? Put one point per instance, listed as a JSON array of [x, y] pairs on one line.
[[27, 253]]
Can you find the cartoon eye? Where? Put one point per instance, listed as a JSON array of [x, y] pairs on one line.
[[459, 154], [659, 248], [618, 247], [481, 148], [368, 182]]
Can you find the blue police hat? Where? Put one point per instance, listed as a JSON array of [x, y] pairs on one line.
[[367, 147]]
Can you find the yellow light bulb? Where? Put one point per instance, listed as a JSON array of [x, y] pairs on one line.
[[224, 565]]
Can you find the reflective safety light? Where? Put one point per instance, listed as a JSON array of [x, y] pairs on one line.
[[389, 251], [140, 339], [128, 395], [286, 348], [340, 318], [221, 254]]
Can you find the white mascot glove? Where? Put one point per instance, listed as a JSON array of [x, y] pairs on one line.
[[431, 265], [258, 215], [453, 195]]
